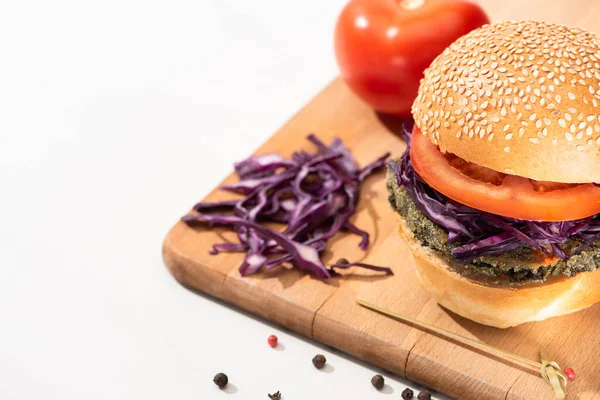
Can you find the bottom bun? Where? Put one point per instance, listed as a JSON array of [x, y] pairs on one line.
[[500, 306]]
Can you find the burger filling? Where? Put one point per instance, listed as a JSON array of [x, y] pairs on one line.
[[488, 247]]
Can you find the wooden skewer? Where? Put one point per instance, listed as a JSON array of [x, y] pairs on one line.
[[549, 370]]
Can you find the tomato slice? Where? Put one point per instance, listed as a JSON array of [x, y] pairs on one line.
[[498, 193]]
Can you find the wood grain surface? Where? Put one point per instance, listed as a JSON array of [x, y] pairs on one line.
[[327, 312]]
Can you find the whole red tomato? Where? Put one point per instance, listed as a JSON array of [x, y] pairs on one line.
[[383, 46]]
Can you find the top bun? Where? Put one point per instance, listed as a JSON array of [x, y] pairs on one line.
[[520, 98]]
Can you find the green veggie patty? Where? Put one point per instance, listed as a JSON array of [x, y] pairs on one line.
[[523, 265]]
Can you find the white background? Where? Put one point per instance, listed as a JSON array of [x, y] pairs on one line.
[[115, 117]]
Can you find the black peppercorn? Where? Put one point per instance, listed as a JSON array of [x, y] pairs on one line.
[[319, 361], [424, 395], [342, 261], [275, 396], [221, 380], [407, 394], [377, 381]]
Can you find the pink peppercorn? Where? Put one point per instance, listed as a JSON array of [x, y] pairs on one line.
[[570, 374], [272, 340]]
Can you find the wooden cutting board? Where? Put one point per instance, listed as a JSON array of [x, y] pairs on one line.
[[327, 312]]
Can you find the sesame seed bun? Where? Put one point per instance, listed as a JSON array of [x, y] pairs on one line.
[[499, 306], [521, 98]]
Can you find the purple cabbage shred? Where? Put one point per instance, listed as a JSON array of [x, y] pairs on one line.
[[313, 194], [343, 265], [483, 234]]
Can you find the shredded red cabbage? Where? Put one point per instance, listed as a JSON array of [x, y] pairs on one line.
[[479, 233], [314, 195], [344, 264]]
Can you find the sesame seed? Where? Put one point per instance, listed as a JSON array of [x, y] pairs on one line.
[[562, 123], [569, 136], [508, 136], [507, 149]]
